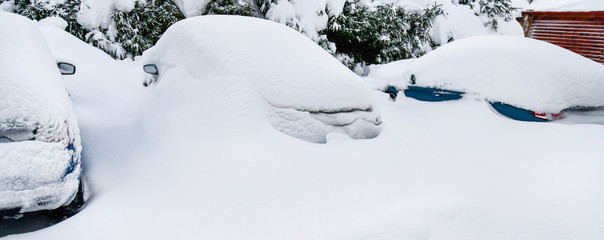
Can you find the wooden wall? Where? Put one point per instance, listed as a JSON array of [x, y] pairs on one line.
[[580, 32]]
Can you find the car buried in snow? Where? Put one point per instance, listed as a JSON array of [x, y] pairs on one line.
[[305, 92], [520, 78], [40, 145]]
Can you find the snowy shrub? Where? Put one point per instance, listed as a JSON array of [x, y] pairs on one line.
[[491, 10], [230, 7], [381, 34], [264, 5], [139, 29], [38, 10]]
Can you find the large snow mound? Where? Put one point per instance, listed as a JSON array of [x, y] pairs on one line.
[[524, 72], [273, 68]]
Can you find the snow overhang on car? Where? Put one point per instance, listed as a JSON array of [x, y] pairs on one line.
[[308, 92], [522, 78]]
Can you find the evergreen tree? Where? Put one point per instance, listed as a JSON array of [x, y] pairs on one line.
[[380, 35], [492, 9], [38, 10], [230, 7], [139, 29], [264, 5], [496, 9]]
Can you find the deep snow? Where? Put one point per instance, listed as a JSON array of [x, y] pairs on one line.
[[37, 122], [520, 71], [190, 166], [287, 78]]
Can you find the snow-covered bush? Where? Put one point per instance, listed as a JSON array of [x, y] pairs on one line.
[[38, 10], [358, 32], [491, 10], [230, 7], [139, 29], [382, 34]]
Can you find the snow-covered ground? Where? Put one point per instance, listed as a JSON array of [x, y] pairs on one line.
[[189, 163]]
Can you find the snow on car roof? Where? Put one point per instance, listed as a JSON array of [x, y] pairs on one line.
[[524, 72], [284, 67], [30, 83]]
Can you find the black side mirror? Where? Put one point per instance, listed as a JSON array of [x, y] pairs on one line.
[[392, 91], [66, 68], [151, 69]]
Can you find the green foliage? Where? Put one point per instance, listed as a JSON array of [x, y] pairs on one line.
[[230, 7], [492, 9], [380, 35], [139, 29], [496, 8], [38, 10], [264, 5]]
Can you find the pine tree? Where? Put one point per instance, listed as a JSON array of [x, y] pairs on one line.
[[38, 10], [264, 5], [139, 29], [492, 9], [230, 7], [496, 9], [380, 35]]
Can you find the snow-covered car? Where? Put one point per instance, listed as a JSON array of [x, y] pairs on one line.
[[298, 86], [40, 145], [521, 78]]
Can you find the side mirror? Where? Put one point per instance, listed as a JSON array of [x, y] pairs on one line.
[[392, 91], [151, 69], [66, 68]]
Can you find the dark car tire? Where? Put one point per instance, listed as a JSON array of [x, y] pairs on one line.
[[73, 207]]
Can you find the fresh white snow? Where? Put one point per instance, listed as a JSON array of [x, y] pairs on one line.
[[523, 72], [33, 106], [263, 68], [187, 159]]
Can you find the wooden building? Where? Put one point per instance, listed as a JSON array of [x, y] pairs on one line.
[[580, 32]]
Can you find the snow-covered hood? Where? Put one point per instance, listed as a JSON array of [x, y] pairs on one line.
[[281, 66], [523, 72]]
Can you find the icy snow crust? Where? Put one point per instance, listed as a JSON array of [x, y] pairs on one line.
[[36, 121], [523, 72], [303, 90]]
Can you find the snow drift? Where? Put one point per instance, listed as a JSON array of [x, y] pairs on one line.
[[523, 72], [272, 70]]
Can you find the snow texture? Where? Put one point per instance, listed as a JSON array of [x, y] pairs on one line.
[[191, 8], [54, 22], [185, 162], [307, 91], [523, 72], [37, 122]]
